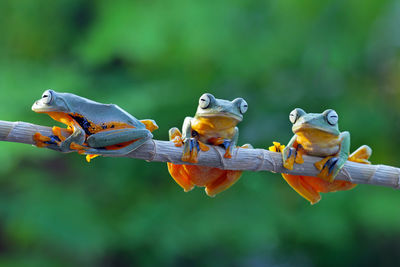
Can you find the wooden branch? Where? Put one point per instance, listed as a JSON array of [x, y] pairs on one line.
[[242, 159]]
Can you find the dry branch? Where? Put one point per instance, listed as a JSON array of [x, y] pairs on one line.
[[242, 159]]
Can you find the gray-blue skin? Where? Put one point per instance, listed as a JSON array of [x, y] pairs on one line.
[[92, 113]]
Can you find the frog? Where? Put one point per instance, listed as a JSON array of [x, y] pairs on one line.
[[214, 123], [317, 134], [94, 128]]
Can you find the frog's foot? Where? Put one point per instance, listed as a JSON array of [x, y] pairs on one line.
[[180, 175], [223, 182], [41, 140], [328, 168], [57, 133], [299, 154], [89, 157], [361, 155], [79, 148], [191, 148], [151, 125], [175, 136], [277, 147], [289, 156], [247, 146]]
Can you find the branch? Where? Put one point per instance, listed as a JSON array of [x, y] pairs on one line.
[[242, 159]]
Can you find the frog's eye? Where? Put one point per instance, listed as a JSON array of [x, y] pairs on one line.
[[293, 116], [243, 106], [46, 97], [332, 117], [204, 101]]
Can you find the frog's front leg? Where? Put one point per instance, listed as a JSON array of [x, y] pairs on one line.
[[191, 144], [229, 145], [72, 142], [117, 141], [330, 166], [290, 155]]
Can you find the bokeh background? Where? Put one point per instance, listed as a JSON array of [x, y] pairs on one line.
[[155, 59]]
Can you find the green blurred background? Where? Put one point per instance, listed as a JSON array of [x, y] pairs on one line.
[[155, 59]]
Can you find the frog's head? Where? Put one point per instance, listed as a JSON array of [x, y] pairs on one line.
[[51, 101], [326, 122], [209, 106]]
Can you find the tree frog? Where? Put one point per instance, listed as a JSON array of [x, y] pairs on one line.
[[318, 135], [213, 124], [95, 128]]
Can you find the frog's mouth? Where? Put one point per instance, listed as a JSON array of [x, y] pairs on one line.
[[40, 107], [225, 115], [312, 129]]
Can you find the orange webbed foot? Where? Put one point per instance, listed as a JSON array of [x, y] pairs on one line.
[[326, 166], [57, 132], [180, 175], [151, 125], [41, 140]]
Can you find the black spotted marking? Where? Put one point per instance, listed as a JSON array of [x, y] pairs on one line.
[[112, 126], [83, 122], [104, 126]]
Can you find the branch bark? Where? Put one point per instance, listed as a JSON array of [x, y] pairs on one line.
[[242, 159]]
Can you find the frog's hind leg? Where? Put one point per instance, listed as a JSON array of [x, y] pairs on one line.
[[108, 138], [180, 175], [223, 182]]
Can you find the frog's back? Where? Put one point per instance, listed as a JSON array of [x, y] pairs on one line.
[[99, 113]]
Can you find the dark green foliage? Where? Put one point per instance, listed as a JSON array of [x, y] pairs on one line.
[[155, 59]]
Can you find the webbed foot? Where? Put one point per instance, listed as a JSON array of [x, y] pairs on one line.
[[191, 146], [181, 176], [329, 168], [151, 125]]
